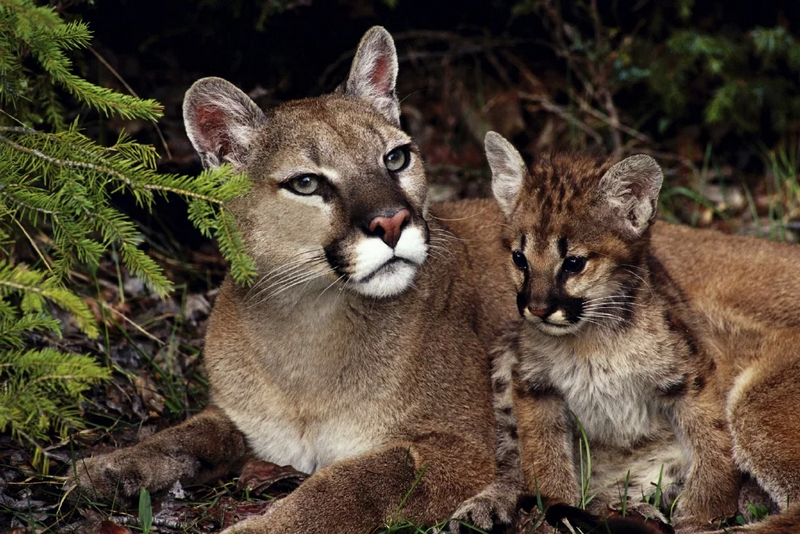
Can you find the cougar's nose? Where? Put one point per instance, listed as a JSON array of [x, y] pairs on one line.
[[389, 228]]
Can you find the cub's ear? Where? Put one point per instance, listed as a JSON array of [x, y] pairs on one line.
[[220, 121], [508, 170], [374, 73], [631, 189]]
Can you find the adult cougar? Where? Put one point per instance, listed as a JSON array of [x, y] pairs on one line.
[[359, 353]]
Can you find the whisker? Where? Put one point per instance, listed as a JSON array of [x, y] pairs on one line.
[[287, 277], [285, 288], [330, 286]]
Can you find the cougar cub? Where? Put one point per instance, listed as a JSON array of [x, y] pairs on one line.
[[636, 334]]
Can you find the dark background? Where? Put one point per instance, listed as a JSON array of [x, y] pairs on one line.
[[510, 65]]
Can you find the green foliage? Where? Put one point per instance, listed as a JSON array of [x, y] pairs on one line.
[[56, 186], [742, 76], [661, 67], [145, 510]]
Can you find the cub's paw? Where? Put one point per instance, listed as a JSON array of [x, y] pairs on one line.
[[121, 474], [492, 510]]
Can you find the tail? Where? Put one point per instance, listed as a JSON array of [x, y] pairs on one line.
[[569, 519]]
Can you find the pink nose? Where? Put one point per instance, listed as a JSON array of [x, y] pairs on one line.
[[538, 313], [390, 228]]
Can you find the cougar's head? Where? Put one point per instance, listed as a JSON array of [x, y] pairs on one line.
[[576, 233], [339, 191]]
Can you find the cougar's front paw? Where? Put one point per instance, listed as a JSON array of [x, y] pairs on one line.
[[121, 474], [254, 525], [492, 510]]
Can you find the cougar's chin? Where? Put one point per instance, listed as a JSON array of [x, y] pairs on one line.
[[381, 271]]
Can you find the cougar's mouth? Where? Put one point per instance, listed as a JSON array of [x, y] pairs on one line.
[[388, 265], [374, 269]]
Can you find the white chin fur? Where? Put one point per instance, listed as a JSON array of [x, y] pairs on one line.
[[555, 330], [391, 280], [374, 278]]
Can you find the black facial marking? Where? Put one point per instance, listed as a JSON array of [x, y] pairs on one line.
[[334, 256], [562, 246], [573, 308], [523, 296]]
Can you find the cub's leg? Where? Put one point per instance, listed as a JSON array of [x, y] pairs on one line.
[[765, 419], [546, 443], [205, 447], [422, 480], [712, 485]]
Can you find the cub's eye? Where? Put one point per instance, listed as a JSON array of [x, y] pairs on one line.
[[397, 159], [573, 264], [304, 185], [519, 260]]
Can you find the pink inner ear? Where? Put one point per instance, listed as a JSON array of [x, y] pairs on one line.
[[213, 129], [380, 76]]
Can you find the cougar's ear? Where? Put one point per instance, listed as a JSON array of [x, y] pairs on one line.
[[508, 170], [374, 73], [220, 121], [631, 189]]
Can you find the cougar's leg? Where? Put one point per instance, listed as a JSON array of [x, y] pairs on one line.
[[422, 480], [764, 413], [200, 449]]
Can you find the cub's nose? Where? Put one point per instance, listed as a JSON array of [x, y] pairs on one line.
[[389, 228], [537, 313]]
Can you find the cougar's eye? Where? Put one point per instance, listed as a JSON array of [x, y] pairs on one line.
[[305, 185], [573, 264], [397, 159], [519, 260]]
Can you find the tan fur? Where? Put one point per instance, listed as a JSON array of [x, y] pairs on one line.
[[374, 394], [691, 333]]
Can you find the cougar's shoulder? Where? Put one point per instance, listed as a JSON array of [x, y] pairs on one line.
[[749, 280], [475, 226]]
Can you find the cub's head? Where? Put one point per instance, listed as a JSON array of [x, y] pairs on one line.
[[339, 191], [576, 233]]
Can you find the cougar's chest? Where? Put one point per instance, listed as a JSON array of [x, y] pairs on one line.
[[611, 394], [305, 394], [280, 435]]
